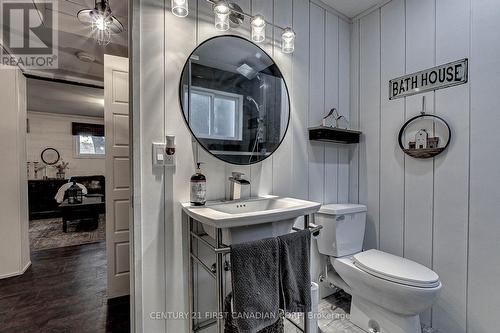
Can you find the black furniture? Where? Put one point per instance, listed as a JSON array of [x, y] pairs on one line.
[[86, 213], [41, 194], [41, 200]]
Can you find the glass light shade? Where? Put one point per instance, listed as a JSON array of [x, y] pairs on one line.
[[258, 28], [103, 37], [101, 21], [180, 8], [101, 30], [288, 41], [221, 13]]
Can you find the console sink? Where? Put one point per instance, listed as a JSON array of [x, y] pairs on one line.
[[250, 219]]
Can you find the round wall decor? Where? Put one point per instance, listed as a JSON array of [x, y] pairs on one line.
[[50, 156], [423, 145]]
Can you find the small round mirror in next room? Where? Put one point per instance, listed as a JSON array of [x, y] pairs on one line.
[[234, 100], [50, 156]]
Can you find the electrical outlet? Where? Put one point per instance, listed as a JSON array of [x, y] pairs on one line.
[[170, 160], [160, 158]]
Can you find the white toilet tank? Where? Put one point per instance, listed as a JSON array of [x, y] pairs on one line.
[[343, 229]]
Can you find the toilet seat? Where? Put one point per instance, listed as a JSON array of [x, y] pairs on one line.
[[396, 269]]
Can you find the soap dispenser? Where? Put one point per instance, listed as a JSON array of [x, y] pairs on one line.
[[198, 187]]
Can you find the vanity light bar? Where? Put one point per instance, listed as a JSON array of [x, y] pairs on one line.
[[222, 12]]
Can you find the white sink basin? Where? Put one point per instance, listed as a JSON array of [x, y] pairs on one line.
[[251, 219]]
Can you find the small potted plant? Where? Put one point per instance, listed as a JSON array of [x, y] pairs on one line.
[[61, 168]]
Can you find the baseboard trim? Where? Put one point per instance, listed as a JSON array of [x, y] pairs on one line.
[[26, 267], [21, 272]]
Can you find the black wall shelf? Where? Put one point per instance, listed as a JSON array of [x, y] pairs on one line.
[[335, 135]]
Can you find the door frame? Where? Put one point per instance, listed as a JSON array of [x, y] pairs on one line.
[[135, 167]]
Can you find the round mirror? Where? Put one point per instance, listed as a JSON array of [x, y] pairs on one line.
[[50, 156], [234, 100]]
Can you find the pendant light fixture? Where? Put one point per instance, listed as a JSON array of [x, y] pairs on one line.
[[221, 13], [180, 8], [101, 20], [258, 24], [287, 41]]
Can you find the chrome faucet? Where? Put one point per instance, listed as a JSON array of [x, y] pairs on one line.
[[240, 188]]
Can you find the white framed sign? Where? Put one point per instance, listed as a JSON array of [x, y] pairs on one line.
[[439, 77]]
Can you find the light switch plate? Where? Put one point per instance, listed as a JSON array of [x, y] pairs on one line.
[[158, 154], [160, 158]]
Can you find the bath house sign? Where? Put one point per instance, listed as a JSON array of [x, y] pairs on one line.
[[447, 75]]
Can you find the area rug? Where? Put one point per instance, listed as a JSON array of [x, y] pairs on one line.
[[48, 234]]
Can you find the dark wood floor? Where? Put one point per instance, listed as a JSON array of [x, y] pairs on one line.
[[64, 290]]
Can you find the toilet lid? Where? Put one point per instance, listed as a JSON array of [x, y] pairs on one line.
[[396, 269], [341, 209]]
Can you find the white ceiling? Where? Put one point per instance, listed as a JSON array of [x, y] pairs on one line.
[[75, 37], [352, 8], [63, 98]]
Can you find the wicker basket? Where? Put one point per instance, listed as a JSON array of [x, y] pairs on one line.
[[230, 324]]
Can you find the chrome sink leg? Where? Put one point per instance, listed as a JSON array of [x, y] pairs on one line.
[[307, 327], [219, 266], [190, 275]]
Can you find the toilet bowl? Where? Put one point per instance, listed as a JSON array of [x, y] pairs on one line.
[[391, 298], [388, 292]]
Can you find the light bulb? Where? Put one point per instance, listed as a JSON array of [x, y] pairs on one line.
[[287, 41], [180, 8], [221, 13], [258, 28], [101, 31], [100, 23]]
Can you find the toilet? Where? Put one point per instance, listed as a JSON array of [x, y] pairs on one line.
[[388, 292]]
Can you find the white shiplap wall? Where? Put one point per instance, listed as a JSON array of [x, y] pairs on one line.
[[439, 212], [54, 130], [318, 78]]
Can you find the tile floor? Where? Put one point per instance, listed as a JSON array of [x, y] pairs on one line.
[[334, 317]]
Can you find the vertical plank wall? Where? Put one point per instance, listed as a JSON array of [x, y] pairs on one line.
[[484, 227], [317, 81], [438, 212], [152, 195]]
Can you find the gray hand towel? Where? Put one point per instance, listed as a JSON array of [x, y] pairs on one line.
[[295, 273], [255, 281]]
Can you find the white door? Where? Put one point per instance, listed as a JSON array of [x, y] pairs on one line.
[[116, 119]]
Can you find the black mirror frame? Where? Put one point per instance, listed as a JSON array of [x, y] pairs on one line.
[[57, 152], [182, 107]]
